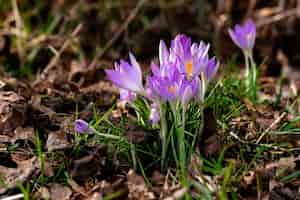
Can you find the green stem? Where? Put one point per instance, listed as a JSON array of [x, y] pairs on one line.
[[247, 71], [253, 76], [133, 155], [163, 135], [247, 64], [115, 137], [199, 130], [253, 66], [181, 147]]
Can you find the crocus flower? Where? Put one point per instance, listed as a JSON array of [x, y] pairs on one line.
[[126, 76], [188, 90], [192, 57], [164, 71], [211, 68], [164, 87], [82, 126], [244, 36], [154, 114], [126, 95]]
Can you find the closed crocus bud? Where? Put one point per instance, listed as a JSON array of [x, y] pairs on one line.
[[154, 114], [82, 126], [211, 68], [244, 36]]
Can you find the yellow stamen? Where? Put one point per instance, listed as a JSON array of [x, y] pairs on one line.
[[172, 89], [189, 68]]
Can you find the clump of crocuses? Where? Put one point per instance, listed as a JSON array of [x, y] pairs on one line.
[[177, 82], [244, 37]]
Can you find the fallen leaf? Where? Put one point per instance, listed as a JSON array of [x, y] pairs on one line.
[[60, 192], [86, 167], [12, 111], [249, 177], [43, 193], [95, 196], [57, 140], [26, 133], [12, 176], [75, 187], [137, 187]]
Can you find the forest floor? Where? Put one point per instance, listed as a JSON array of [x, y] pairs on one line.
[[52, 61]]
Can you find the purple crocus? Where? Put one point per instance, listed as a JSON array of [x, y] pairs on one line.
[[82, 126], [188, 90], [211, 68], [192, 57], [164, 86], [127, 95], [154, 114], [127, 76], [244, 36]]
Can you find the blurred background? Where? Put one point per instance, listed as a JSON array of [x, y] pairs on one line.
[[37, 36]]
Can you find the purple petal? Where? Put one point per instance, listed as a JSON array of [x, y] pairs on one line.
[[212, 68], [127, 76], [244, 35], [154, 114], [136, 67], [163, 53], [155, 70], [82, 126], [187, 95], [126, 95]]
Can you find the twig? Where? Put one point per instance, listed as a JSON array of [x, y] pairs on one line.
[[13, 197], [298, 8], [237, 137], [251, 6], [278, 17], [118, 33], [151, 4], [250, 143], [19, 28], [54, 60], [270, 127], [281, 5]]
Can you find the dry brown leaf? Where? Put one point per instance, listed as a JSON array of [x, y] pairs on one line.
[[60, 192], [12, 176], [43, 193], [249, 177], [10, 97], [86, 167], [12, 111], [288, 162], [95, 196], [249, 105], [137, 187], [48, 169], [75, 187], [57, 140], [24, 134]]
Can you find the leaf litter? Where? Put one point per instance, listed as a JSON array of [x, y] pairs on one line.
[[71, 90]]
